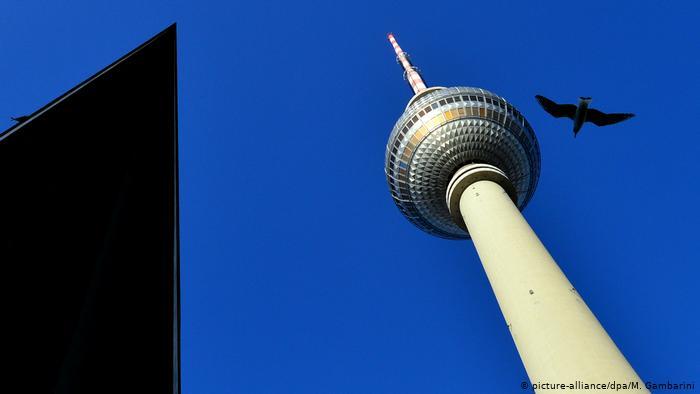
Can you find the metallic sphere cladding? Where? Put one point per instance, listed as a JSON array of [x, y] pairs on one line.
[[444, 129]]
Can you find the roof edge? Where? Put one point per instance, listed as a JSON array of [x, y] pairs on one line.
[[171, 29]]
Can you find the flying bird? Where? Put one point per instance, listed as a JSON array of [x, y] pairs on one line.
[[580, 113], [20, 119]]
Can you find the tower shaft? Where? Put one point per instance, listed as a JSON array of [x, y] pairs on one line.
[[557, 336]]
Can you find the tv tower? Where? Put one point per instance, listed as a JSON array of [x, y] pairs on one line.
[[461, 163]]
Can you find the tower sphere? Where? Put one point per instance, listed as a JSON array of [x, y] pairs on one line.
[[444, 129]]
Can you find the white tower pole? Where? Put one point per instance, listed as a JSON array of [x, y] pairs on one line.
[[558, 338]]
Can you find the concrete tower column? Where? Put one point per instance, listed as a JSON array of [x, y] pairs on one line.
[[558, 338]]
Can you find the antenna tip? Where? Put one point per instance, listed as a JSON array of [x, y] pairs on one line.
[[390, 35]]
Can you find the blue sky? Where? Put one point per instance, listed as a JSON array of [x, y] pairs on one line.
[[299, 275]]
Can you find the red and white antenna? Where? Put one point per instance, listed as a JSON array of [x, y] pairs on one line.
[[410, 72]]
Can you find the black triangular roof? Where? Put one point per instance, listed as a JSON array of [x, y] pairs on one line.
[[168, 34], [89, 232]]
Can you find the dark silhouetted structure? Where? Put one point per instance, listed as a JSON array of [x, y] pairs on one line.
[[89, 241]]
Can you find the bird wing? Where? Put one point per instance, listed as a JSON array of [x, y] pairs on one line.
[[557, 110], [602, 119]]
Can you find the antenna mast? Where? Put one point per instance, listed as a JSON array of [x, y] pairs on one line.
[[410, 72]]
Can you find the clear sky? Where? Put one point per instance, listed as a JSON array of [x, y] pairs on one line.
[[299, 275]]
